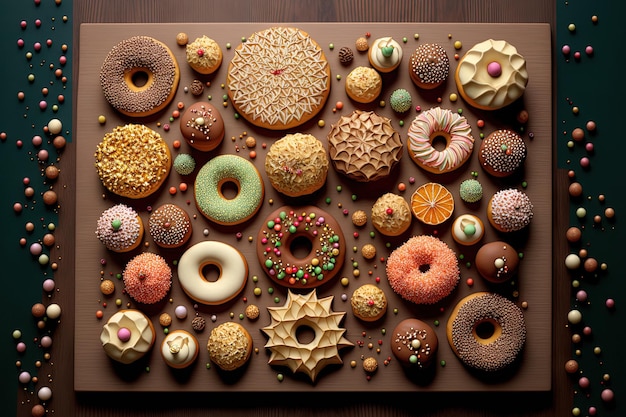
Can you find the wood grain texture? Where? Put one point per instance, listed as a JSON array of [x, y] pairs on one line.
[[555, 403]]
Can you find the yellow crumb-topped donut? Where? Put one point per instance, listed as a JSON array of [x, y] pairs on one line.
[[491, 75], [297, 164], [278, 78], [133, 161]]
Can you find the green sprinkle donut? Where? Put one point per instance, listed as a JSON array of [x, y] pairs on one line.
[[212, 177]]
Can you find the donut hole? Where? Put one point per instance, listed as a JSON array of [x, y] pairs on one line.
[[307, 332], [210, 272], [139, 78], [300, 246], [440, 141], [423, 268], [228, 188], [486, 331]]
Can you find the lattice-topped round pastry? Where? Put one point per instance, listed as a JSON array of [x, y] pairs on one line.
[[279, 78]]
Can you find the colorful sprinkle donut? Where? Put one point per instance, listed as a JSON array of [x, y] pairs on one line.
[[232, 266], [309, 228], [210, 181]]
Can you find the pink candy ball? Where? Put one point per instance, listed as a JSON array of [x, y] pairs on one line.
[[587, 331], [581, 295], [37, 140], [123, 334], [589, 147], [43, 104], [21, 347], [48, 285], [181, 312], [610, 303], [566, 49], [589, 50], [585, 162], [583, 382], [36, 249], [607, 395], [24, 377], [43, 155], [494, 69]]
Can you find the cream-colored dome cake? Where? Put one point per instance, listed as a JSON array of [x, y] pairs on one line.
[[491, 75]]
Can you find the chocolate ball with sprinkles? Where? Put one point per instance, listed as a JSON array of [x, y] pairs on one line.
[[414, 344], [429, 66], [502, 153], [202, 126], [170, 226]]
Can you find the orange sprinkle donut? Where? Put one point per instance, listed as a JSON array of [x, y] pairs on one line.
[[147, 278], [424, 270]]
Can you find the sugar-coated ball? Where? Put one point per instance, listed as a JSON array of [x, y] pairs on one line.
[[53, 311], [572, 261], [55, 126], [44, 393], [181, 312], [574, 316]]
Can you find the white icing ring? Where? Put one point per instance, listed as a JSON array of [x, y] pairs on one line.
[[232, 266]]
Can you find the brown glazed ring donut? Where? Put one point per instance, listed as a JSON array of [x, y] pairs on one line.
[[308, 227]]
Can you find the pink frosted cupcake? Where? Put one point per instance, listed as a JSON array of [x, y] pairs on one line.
[[120, 228]]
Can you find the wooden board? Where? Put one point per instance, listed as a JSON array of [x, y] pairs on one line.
[[95, 372]]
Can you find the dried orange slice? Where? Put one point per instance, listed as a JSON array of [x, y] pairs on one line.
[[432, 203]]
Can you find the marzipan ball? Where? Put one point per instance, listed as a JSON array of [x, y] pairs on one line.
[[38, 310], [575, 189], [571, 366], [370, 364], [52, 172], [182, 39], [107, 287], [252, 312], [165, 319], [49, 197], [359, 218], [573, 234], [362, 45], [368, 251]]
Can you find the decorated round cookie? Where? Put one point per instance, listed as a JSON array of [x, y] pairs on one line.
[[279, 78]]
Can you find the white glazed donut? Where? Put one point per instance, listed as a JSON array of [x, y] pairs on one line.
[[232, 266]]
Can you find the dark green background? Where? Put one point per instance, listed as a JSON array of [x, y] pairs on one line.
[[592, 84]]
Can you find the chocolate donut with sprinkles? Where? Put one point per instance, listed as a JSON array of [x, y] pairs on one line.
[[486, 331], [287, 233], [128, 64], [502, 153]]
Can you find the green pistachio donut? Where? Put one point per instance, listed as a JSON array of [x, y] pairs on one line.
[[210, 182]]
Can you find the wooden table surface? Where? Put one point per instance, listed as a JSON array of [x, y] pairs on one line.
[[359, 404], [555, 403]]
